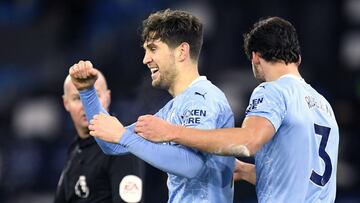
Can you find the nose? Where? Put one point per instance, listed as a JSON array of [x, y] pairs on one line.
[[147, 59], [82, 109]]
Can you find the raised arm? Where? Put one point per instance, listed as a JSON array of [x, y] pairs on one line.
[[92, 107], [84, 76], [106, 129]]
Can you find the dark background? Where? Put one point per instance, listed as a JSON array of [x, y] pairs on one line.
[[40, 40]]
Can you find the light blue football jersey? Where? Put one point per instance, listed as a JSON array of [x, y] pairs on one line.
[[202, 106], [299, 163], [193, 176]]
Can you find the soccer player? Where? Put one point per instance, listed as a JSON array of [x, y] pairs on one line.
[[89, 174], [172, 41], [289, 127]]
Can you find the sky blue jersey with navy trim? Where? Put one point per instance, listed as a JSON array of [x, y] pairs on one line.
[[299, 163], [193, 176]]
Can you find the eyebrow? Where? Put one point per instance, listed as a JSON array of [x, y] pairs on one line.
[[150, 45], [74, 94]]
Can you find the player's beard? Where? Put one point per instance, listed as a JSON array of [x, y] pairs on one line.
[[167, 77]]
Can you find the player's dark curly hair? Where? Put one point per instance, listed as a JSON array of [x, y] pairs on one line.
[[275, 39], [174, 27]]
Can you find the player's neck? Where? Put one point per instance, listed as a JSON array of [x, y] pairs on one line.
[[187, 74], [278, 70]]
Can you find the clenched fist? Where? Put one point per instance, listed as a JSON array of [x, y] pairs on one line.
[[154, 128], [83, 75]]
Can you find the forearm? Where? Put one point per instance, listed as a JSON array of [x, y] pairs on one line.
[[245, 171], [244, 141], [229, 141], [251, 173], [92, 106], [169, 158], [91, 103]]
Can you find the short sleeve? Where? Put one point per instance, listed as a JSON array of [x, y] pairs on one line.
[[268, 102]]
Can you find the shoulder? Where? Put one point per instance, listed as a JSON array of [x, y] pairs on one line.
[[274, 86], [201, 105], [203, 95], [286, 89], [266, 95], [278, 90], [204, 92]]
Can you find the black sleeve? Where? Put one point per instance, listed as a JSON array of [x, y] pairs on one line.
[[119, 167]]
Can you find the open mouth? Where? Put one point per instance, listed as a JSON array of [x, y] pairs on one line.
[[154, 73], [83, 117], [154, 70]]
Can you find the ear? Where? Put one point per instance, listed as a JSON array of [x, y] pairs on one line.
[[183, 51], [108, 98], [299, 61], [255, 58], [66, 103]]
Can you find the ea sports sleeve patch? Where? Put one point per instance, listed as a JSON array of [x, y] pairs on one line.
[[130, 188]]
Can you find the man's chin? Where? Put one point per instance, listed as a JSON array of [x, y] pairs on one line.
[[155, 84], [85, 124]]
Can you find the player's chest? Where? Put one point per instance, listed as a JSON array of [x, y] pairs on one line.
[[171, 113]]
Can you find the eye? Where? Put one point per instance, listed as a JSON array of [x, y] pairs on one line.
[[76, 98]]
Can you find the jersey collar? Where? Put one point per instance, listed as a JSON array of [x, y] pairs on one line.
[[83, 143], [293, 76], [200, 78]]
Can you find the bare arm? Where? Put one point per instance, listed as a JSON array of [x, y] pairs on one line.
[[244, 141], [245, 171]]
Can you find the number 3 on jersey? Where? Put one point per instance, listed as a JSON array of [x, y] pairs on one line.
[[316, 178]]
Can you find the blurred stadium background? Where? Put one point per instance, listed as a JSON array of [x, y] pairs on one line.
[[40, 40]]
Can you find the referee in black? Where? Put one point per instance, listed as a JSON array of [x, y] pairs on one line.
[[89, 175]]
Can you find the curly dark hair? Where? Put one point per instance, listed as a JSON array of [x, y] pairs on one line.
[[275, 39], [174, 27]]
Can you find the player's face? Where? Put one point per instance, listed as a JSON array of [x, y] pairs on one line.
[[160, 59], [74, 106]]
